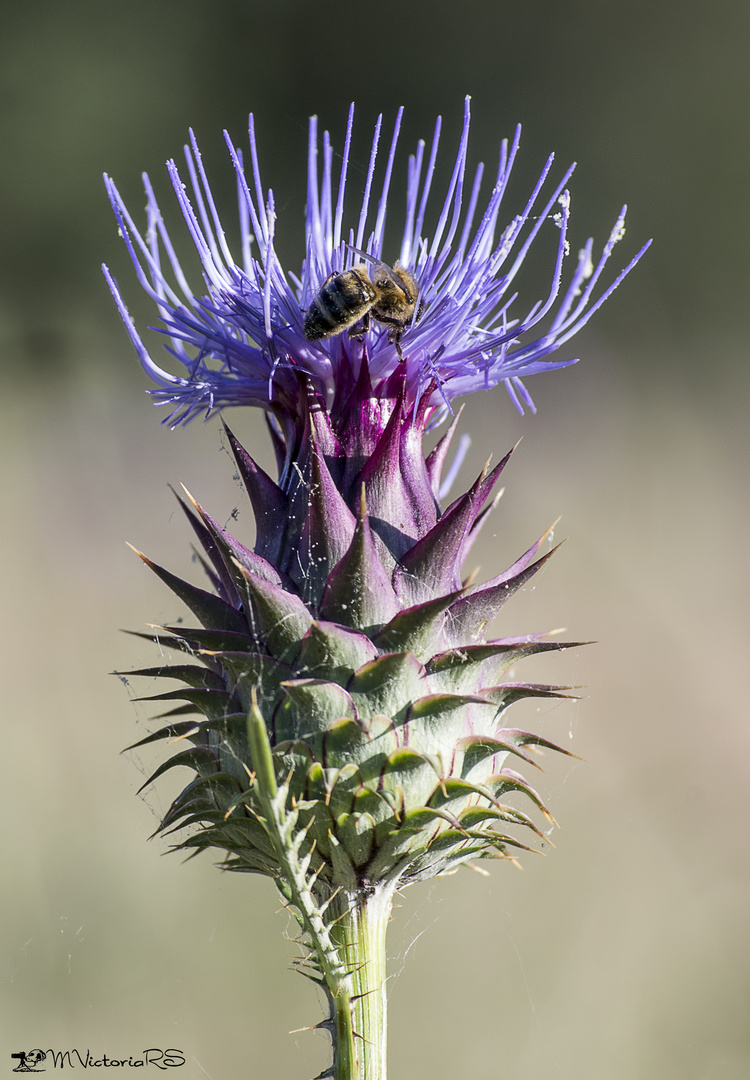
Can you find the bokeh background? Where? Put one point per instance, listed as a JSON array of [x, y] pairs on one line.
[[622, 954]]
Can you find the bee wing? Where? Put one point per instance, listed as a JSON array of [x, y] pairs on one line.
[[377, 263], [363, 255], [383, 270]]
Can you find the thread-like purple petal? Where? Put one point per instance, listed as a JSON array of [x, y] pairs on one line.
[[239, 334]]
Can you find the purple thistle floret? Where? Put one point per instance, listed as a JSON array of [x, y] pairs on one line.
[[241, 338]]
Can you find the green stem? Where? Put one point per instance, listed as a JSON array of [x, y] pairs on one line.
[[359, 921], [345, 933]]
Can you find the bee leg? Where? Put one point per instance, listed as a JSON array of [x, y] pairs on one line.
[[396, 338], [360, 328], [395, 334]]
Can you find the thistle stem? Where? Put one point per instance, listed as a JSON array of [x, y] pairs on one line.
[[358, 1007]]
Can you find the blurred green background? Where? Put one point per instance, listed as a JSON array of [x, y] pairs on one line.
[[624, 952]]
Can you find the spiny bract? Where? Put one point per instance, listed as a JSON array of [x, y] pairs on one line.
[[383, 701]]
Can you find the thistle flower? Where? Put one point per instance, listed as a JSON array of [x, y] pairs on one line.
[[351, 734]]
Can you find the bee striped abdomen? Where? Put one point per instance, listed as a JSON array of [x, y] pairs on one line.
[[342, 301]]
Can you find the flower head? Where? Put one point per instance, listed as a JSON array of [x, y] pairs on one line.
[[350, 632], [241, 337]]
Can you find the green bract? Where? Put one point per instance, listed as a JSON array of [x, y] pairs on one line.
[[384, 705]]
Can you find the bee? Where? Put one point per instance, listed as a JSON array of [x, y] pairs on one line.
[[347, 301]]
